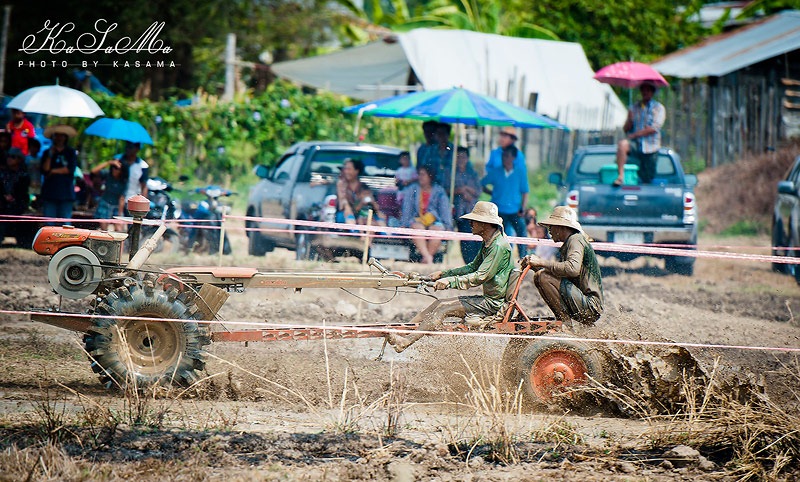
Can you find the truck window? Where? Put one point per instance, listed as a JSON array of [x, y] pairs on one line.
[[591, 163], [325, 165], [286, 166]]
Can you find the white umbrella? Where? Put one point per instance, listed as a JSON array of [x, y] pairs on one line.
[[57, 101]]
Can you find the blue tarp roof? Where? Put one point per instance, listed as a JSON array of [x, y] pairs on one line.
[[729, 52]]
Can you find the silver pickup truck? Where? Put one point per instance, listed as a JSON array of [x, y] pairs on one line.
[[661, 213], [302, 185]]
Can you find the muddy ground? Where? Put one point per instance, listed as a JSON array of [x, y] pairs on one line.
[[328, 411]]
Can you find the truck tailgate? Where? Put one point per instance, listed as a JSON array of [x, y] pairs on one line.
[[644, 205]]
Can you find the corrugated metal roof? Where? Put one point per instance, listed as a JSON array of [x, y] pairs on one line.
[[726, 53]]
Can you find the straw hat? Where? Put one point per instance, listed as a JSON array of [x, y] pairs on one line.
[[563, 216], [485, 212], [511, 131], [69, 131]]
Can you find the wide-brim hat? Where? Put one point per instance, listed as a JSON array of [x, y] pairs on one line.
[[511, 131], [485, 212], [563, 216], [68, 131]]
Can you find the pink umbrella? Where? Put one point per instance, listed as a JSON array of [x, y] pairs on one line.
[[630, 74]]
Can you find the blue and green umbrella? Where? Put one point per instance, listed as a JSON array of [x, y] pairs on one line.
[[455, 106]]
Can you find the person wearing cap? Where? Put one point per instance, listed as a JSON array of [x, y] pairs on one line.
[[21, 130], [58, 171], [571, 286], [507, 137], [509, 189], [490, 269], [643, 135]]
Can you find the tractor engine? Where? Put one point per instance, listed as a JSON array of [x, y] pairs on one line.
[[81, 258]]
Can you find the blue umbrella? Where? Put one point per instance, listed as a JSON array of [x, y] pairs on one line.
[[455, 106], [119, 129]]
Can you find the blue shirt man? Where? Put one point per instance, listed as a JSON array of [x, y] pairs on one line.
[[510, 190], [507, 138]]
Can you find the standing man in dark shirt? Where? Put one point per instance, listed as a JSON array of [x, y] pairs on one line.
[[58, 168]]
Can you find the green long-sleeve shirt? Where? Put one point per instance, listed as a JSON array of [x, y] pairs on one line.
[[490, 268]]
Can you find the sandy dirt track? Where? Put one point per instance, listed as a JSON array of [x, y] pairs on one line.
[[318, 411]]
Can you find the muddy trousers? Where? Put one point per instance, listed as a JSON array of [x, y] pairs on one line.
[[564, 299], [430, 319]]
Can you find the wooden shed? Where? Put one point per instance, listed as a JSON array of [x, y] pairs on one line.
[[737, 93]]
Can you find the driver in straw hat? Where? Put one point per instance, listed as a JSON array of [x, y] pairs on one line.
[[490, 269], [571, 287]]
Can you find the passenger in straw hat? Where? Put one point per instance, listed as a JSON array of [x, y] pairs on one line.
[[490, 269], [570, 286], [58, 170]]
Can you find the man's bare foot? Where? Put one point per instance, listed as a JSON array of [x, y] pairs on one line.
[[618, 182], [427, 259], [398, 342]]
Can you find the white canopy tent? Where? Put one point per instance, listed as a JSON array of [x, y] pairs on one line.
[[508, 68]]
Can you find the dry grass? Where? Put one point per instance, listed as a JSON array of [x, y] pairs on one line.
[[763, 438], [743, 191]]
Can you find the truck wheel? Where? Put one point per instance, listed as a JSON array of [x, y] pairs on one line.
[[256, 245], [303, 250], [683, 265], [778, 241], [141, 353], [548, 368]]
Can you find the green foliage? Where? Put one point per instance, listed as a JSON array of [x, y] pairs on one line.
[[744, 227], [221, 142], [610, 32], [542, 195]]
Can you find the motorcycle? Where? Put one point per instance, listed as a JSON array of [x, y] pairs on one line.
[[205, 236], [163, 208]]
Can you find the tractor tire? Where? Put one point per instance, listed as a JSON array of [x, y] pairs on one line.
[[509, 368], [549, 368], [140, 353]]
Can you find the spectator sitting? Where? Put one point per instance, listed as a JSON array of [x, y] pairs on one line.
[[354, 197], [406, 173], [425, 206]]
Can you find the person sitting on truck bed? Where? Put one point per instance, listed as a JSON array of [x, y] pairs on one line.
[[571, 287], [490, 268], [643, 129], [354, 197]]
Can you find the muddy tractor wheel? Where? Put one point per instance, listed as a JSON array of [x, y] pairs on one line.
[[548, 368], [509, 368], [142, 353]]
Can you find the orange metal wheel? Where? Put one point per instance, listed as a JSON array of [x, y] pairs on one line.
[[548, 368], [556, 370]]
